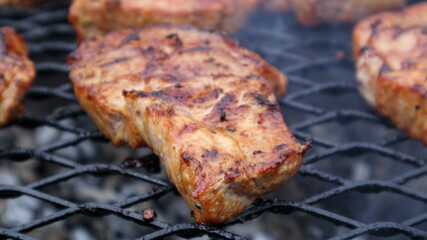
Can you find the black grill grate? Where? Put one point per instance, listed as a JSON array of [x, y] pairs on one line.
[[322, 102]]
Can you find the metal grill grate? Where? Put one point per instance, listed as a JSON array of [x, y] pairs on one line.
[[333, 186]]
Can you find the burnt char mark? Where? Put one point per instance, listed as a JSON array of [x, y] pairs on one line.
[[127, 93], [223, 105], [375, 24], [170, 112], [285, 154], [198, 49], [229, 98], [232, 173], [211, 155], [365, 49], [188, 158], [213, 95], [143, 94], [256, 152], [149, 50], [255, 61], [115, 61], [172, 95], [419, 88], [259, 99], [133, 36], [225, 112], [157, 94], [231, 176], [225, 102], [280, 147], [398, 31], [155, 54], [230, 129], [222, 117], [209, 60], [263, 101], [175, 38], [385, 68]]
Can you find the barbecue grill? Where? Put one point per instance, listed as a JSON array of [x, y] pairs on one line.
[[60, 179]]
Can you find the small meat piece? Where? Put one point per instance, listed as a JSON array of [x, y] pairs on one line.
[[203, 103], [315, 12], [276, 5], [21, 3], [16, 74], [391, 57], [97, 17]]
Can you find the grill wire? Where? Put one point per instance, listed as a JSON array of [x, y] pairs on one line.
[[320, 69]]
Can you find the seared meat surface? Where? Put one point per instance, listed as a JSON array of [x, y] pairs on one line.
[[315, 12], [391, 54], [203, 103], [97, 17], [203, 53], [16, 74]]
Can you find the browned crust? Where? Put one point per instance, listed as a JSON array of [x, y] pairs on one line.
[[17, 73], [203, 103], [402, 96], [410, 16], [391, 54], [315, 12], [214, 173], [97, 17], [221, 47]]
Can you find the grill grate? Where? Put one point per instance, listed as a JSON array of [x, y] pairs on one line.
[[322, 102]]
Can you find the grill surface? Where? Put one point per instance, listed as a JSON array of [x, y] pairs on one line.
[[362, 179]]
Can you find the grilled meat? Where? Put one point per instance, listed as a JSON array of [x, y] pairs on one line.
[[276, 5], [203, 103], [315, 12], [391, 54], [16, 74], [202, 54], [97, 17]]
